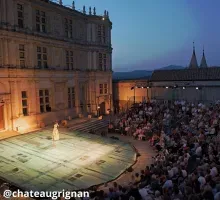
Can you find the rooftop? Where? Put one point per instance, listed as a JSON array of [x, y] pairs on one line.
[[188, 74]]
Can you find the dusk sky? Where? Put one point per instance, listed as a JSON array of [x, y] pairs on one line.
[[150, 34]]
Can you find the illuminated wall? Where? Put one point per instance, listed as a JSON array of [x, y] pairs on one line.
[[63, 53]]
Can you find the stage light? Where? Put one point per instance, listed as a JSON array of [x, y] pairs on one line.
[[184, 88]]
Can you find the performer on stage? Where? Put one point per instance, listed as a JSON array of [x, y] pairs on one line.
[[55, 135]]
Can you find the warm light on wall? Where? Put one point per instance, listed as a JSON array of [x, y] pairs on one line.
[[22, 124]]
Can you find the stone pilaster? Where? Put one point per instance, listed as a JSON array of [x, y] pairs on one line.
[[29, 21], [14, 93], [3, 11], [93, 32], [19, 97], [94, 60], [5, 51], [10, 11], [77, 92], [31, 97]]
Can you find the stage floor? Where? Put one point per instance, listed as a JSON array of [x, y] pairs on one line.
[[77, 160]]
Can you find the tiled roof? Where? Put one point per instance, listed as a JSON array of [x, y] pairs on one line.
[[188, 74]]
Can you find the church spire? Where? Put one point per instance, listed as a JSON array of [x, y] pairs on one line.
[[203, 61], [193, 62]]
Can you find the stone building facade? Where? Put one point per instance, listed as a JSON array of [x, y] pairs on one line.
[[193, 84], [55, 62], [126, 92]]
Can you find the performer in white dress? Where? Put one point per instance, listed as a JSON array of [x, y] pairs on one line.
[[55, 135]]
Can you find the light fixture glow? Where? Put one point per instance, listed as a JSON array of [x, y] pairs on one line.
[[197, 88], [142, 87], [167, 87], [184, 88], [103, 18]]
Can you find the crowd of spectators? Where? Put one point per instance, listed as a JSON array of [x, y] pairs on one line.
[[187, 140]]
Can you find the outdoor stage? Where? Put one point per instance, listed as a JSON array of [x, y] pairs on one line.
[[78, 160]]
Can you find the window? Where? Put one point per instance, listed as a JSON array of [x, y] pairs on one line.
[[20, 13], [22, 55], [71, 97], [103, 88], [42, 57], [101, 34], [24, 103], [44, 101], [68, 28], [102, 61], [69, 60], [40, 21]]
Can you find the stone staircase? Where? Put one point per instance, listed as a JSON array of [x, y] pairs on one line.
[[93, 124]]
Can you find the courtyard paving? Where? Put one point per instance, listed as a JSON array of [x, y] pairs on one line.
[[76, 161]]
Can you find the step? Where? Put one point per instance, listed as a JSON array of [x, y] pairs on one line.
[[90, 126], [83, 123], [94, 125]]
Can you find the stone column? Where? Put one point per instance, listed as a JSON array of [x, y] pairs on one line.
[[5, 52]]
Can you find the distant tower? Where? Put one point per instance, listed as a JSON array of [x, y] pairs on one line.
[[203, 61], [107, 14], [73, 5], [84, 10], [60, 2], [94, 11], [193, 63], [90, 10]]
